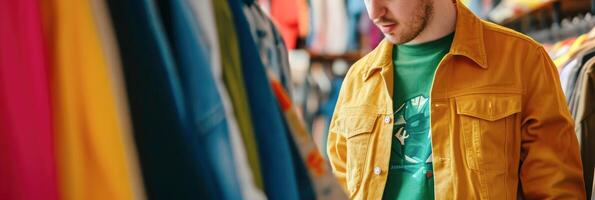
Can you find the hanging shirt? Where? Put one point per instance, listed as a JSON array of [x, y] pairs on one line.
[[93, 150], [233, 78], [162, 128], [210, 136], [27, 157], [250, 182], [112, 54], [410, 169], [585, 121], [273, 55], [270, 130], [272, 49]]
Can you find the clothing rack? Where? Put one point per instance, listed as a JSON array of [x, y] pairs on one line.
[[329, 58], [549, 12]]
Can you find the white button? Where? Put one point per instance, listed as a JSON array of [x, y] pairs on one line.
[[377, 170], [387, 119]]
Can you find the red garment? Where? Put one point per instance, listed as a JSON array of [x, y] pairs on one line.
[[27, 163], [285, 15]]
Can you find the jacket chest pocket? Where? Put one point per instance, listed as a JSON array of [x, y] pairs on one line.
[[487, 123], [357, 128]]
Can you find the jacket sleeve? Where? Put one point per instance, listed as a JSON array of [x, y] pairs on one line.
[[336, 146], [550, 161], [336, 150]]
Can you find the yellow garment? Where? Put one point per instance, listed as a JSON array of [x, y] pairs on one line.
[[495, 101], [571, 51], [92, 138], [110, 44]]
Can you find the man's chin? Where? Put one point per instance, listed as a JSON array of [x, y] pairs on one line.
[[393, 39], [398, 38]]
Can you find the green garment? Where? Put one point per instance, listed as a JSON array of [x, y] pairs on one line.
[[410, 173], [234, 81]]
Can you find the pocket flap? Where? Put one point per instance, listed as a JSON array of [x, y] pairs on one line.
[[355, 125], [355, 121], [489, 107]]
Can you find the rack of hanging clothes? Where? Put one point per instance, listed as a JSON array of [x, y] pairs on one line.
[[575, 59], [181, 99]]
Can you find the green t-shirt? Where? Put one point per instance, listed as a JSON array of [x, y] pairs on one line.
[[410, 174]]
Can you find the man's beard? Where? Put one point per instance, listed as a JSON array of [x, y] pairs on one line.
[[406, 32]]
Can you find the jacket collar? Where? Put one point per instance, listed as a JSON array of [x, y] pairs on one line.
[[468, 42]]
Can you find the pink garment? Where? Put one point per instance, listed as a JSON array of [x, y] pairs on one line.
[[27, 163]]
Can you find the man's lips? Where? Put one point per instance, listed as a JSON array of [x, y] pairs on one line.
[[387, 27]]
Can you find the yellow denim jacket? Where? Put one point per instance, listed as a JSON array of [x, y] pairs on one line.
[[500, 126]]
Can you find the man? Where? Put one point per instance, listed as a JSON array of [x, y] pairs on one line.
[[452, 107]]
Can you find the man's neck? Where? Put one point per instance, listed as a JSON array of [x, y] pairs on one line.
[[441, 23]]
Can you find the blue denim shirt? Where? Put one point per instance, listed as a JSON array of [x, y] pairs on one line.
[[206, 111]]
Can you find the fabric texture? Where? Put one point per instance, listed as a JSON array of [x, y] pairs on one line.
[[27, 150], [480, 92]]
